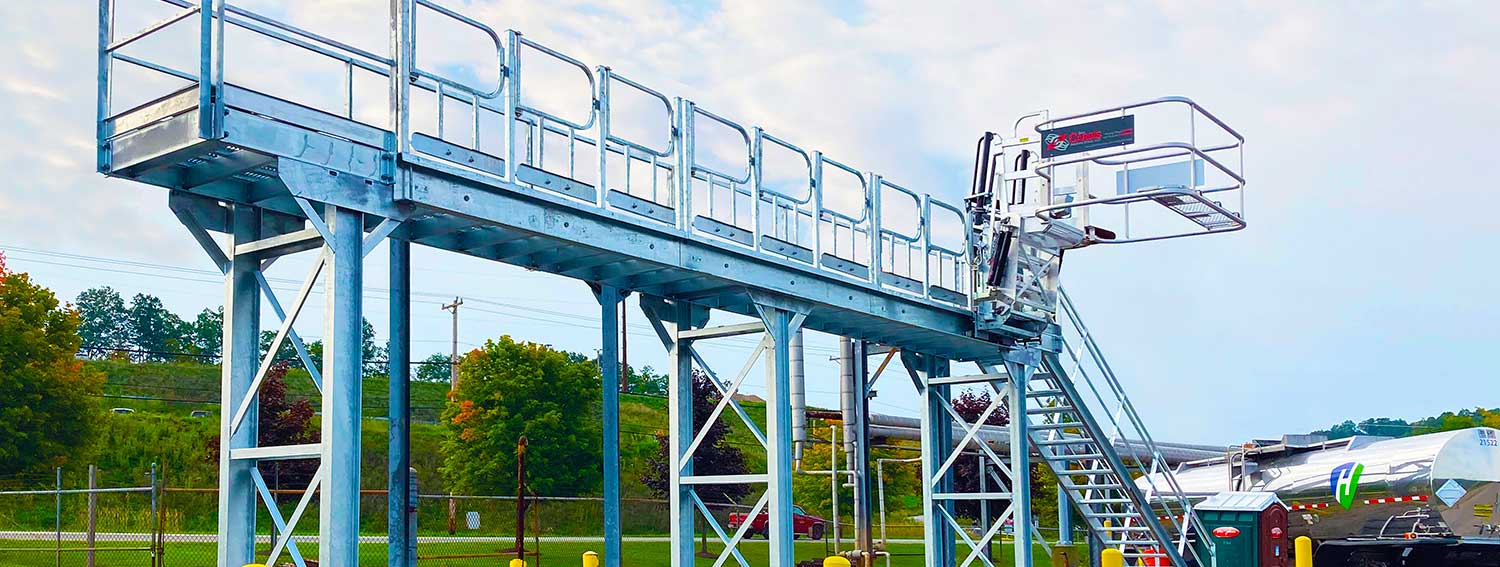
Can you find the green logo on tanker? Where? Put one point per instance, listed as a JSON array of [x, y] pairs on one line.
[[1344, 482]]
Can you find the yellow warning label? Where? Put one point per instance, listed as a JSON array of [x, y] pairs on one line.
[[1484, 510]]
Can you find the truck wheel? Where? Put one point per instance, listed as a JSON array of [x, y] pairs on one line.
[[815, 532]]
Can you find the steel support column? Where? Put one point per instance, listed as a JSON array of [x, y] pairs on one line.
[[241, 355], [1064, 517], [680, 431], [779, 529], [338, 513], [937, 441], [609, 379], [864, 539], [1020, 365], [399, 477]]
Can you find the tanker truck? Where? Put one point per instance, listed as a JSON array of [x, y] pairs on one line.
[[1373, 501]]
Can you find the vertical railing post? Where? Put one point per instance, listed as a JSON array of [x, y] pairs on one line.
[[338, 513], [403, 51], [816, 189], [210, 69], [685, 156], [609, 380], [602, 128], [755, 182], [877, 239], [241, 351], [512, 100], [399, 442], [102, 131]]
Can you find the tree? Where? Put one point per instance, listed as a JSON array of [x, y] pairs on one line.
[[153, 329], [509, 389], [206, 334], [48, 412], [373, 354], [645, 381], [714, 455], [280, 423], [435, 368], [102, 323], [970, 404]]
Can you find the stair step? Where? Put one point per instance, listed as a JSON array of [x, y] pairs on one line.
[[1111, 486], [1105, 501], [1077, 457], [1051, 410], [1066, 441], [1111, 515], [1044, 426], [1043, 393]]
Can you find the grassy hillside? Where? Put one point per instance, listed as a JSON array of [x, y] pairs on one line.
[[161, 430]]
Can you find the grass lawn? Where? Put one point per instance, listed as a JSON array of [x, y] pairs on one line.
[[554, 554]]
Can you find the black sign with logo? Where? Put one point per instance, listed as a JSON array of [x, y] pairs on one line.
[[1088, 136]]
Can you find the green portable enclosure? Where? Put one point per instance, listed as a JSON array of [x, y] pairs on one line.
[[1248, 529]]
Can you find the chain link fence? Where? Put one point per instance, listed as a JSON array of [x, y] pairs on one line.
[[66, 521]]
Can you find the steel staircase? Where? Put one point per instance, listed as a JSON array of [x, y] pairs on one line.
[[1085, 428]]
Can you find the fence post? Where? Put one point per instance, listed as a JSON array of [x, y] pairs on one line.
[[57, 519], [93, 510], [156, 533]]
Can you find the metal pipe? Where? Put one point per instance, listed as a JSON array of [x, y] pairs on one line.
[[847, 399], [799, 398]]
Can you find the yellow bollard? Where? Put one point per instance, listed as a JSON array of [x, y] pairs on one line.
[[517, 563], [590, 559], [254, 565], [1304, 555], [1112, 558], [835, 561]]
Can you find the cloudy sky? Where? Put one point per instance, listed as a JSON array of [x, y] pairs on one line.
[[1364, 286]]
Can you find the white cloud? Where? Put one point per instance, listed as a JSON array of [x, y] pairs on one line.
[[1368, 170]]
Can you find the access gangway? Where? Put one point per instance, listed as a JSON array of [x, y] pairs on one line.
[[490, 161]]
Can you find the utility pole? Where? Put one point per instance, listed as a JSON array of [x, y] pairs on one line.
[[453, 357], [452, 391]]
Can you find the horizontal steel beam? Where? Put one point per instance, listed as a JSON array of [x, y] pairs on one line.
[[290, 243], [725, 479], [278, 452], [723, 331]]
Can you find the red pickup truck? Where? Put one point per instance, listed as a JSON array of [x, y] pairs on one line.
[[803, 525]]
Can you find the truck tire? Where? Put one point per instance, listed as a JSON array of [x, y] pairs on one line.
[[815, 532]]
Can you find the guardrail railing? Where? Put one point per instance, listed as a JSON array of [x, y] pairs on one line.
[[495, 127]]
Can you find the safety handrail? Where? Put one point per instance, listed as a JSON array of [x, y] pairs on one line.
[[521, 41], [916, 199], [760, 159], [821, 192], [1121, 108], [494, 37], [1173, 489], [962, 217], [796, 207], [606, 77], [744, 134]]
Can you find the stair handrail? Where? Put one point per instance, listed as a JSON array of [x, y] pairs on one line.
[[1189, 518]]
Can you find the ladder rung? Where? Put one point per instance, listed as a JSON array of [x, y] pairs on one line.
[[1106, 501]]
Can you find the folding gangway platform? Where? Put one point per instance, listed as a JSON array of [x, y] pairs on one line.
[[478, 167]]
